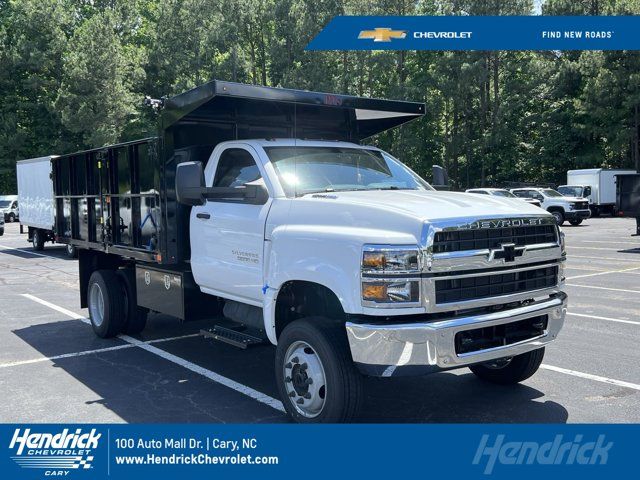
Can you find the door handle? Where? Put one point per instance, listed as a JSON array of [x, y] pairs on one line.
[[204, 216]]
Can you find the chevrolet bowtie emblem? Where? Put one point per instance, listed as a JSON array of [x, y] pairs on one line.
[[507, 252], [382, 34]]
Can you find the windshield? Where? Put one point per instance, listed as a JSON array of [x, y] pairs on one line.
[[503, 193], [5, 203], [549, 192], [571, 191], [304, 170]]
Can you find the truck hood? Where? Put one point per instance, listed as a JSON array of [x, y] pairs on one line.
[[432, 205], [573, 199]]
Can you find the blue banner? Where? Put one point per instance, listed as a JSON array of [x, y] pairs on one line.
[[479, 33], [316, 451]]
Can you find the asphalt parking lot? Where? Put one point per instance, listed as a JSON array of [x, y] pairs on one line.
[[54, 369]]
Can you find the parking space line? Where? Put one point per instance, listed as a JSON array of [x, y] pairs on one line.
[[597, 248], [589, 376], [608, 319], [603, 273], [30, 252], [227, 382], [599, 258], [609, 243], [65, 355], [603, 288], [57, 308], [90, 352]]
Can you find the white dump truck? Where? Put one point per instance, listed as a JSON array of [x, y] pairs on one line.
[[263, 210]]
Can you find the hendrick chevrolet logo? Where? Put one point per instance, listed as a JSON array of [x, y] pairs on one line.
[[507, 252], [382, 34]]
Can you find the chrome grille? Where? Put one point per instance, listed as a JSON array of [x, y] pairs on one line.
[[447, 241], [465, 289]]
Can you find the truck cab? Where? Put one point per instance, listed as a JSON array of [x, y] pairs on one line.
[[273, 218], [9, 208], [573, 209]]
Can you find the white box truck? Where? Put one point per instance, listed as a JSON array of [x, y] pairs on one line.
[[35, 197], [598, 185]]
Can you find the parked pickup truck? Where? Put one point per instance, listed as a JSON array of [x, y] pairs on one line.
[[561, 207], [259, 208], [501, 192]]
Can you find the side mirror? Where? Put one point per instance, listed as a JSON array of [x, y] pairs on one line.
[[190, 187], [256, 194], [587, 191]]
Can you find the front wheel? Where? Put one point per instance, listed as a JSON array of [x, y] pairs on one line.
[[559, 216], [12, 218], [507, 371], [316, 377], [575, 223]]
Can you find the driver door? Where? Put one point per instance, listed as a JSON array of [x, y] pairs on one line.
[[227, 234]]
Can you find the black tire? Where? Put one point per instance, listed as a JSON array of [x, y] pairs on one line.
[[1, 231], [113, 315], [135, 317], [72, 251], [518, 369], [575, 223], [559, 216], [343, 393], [11, 218], [38, 240]]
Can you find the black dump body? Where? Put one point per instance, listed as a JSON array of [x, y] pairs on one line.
[[628, 195], [121, 199]]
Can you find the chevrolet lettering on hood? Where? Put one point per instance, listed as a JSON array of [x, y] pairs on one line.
[[501, 223]]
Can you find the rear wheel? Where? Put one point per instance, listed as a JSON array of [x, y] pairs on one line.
[[37, 240], [106, 303], [559, 216], [316, 377], [575, 223], [72, 252], [135, 316], [507, 371]]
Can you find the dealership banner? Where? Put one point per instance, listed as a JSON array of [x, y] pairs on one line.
[[97, 451], [540, 32]]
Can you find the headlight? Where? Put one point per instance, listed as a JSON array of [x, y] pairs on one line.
[[391, 291], [563, 246], [381, 259], [379, 262]]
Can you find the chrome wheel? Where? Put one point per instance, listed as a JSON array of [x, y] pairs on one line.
[[96, 305], [304, 379]]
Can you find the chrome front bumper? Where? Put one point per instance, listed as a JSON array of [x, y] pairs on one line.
[[419, 348]]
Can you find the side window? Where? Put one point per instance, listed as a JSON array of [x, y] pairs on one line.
[[236, 167], [520, 193]]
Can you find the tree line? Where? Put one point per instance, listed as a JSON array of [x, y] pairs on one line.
[[73, 74]]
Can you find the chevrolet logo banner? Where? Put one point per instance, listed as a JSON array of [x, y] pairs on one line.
[[479, 33]]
